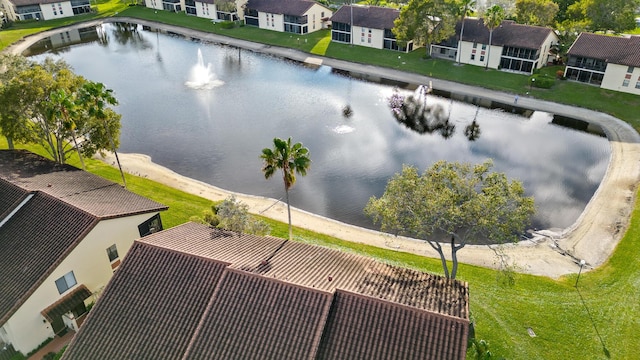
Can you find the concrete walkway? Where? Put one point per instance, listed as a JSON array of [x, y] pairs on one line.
[[593, 237]]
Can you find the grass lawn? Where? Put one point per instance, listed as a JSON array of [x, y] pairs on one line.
[[598, 321], [601, 318]]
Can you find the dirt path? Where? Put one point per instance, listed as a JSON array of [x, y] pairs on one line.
[[593, 237]]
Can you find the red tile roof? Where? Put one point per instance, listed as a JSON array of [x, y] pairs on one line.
[[612, 49], [374, 17], [274, 300]]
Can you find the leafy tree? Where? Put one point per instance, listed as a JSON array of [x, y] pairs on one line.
[[469, 204], [561, 16], [46, 108], [492, 19], [426, 21], [234, 216], [613, 15], [291, 159], [12, 122], [63, 108], [604, 15], [536, 12], [466, 8], [96, 98]]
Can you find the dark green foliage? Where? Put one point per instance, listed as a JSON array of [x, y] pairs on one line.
[[542, 81]]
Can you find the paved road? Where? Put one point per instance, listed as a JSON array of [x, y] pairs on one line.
[[593, 237]]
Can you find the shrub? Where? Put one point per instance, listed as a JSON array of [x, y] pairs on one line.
[[227, 24], [542, 82]]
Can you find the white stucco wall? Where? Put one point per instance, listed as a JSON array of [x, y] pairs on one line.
[[7, 8], [204, 10], [270, 21], [56, 10], [315, 15], [467, 49], [90, 264], [65, 37], [614, 77], [154, 4], [551, 39], [361, 36]]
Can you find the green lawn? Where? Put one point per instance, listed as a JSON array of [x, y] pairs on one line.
[[602, 316], [596, 322]]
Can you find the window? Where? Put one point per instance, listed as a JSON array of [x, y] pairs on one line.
[[66, 282], [475, 45], [638, 85], [482, 58], [112, 252], [625, 83], [154, 224], [630, 69], [473, 56], [484, 46]]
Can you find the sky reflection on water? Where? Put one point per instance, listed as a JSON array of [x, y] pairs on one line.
[[217, 135]]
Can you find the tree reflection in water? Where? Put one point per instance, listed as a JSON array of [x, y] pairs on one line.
[[413, 112]]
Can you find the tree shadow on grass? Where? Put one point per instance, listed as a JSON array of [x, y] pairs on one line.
[[604, 346]]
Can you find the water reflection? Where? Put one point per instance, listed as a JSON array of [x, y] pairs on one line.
[[216, 135]]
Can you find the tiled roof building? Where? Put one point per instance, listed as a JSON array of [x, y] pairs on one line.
[[368, 26], [611, 62], [51, 214], [514, 47], [193, 292]]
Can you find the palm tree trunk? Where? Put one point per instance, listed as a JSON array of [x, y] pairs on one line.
[[289, 213], [489, 50], [460, 41], [75, 143], [113, 148]]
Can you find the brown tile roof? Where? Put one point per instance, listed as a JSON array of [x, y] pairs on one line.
[[33, 242], [93, 194], [274, 301], [612, 49], [11, 197], [374, 17], [285, 7], [67, 303], [507, 34], [151, 307], [407, 332], [255, 317], [61, 206]]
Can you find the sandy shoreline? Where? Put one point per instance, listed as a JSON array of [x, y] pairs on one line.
[[593, 237]]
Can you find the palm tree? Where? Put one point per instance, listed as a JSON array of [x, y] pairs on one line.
[[492, 19], [96, 97], [466, 8], [291, 159]]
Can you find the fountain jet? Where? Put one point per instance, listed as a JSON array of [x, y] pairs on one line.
[[201, 77]]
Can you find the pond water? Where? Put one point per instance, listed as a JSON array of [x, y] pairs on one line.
[[215, 133]]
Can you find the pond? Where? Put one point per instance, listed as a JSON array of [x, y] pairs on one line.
[[213, 130]]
